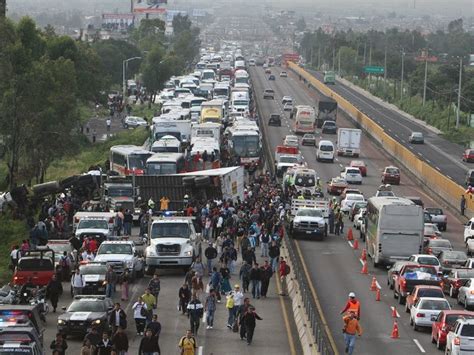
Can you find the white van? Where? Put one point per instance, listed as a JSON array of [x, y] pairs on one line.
[[325, 151]]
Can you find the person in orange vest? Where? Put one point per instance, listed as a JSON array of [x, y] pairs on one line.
[[352, 305]]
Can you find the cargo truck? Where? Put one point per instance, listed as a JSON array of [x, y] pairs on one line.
[[348, 141]]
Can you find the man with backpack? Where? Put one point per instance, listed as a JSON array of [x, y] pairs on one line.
[[188, 344], [274, 253], [65, 264], [245, 275]]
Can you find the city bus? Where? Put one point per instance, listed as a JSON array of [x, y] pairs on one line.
[[165, 164], [128, 159], [305, 119], [329, 77], [394, 229], [246, 144]]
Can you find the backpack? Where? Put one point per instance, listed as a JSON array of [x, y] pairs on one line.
[[143, 311], [230, 302], [287, 269], [64, 263], [265, 238]]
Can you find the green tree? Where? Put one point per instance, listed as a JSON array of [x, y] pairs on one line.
[[156, 71], [301, 24], [181, 24]]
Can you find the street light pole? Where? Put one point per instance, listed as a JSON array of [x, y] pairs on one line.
[[459, 93], [403, 73], [426, 77], [124, 83]]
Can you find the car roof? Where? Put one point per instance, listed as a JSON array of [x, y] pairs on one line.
[[465, 321], [424, 256], [428, 286], [433, 299], [118, 242], [90, 297]]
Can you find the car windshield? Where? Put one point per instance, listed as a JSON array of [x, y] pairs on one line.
[[305, 180], [428, 261], [391, 171], [93, 269], [161, 168], [26, 264], [170, 230], [430, 293], [451, 318], [14, 349], [87, 306], [434, 305], [455, 255], [353, 171], [92, 224], [427, 270], [440, 243], [308, 136], [119, 191], [326, 148], [466, 274], [137, 161], [435, 211], [106, 248], [329, 124], [467, 330], [309, 213], [292, 160], [355, 197]]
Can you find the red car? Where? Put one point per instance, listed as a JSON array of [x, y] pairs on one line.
[[468, 155], [336, 186], [444, 324], [391, 175], [361, 165], [37, 265]]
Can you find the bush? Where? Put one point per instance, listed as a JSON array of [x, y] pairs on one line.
[[12, 232]]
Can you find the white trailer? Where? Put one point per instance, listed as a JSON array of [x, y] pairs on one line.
[[348, 141]]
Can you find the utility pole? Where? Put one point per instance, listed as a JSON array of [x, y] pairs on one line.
[[311, 54], [319, 58], [426, 77], [370, 54], [403, 73], [3, 8], [385, 65], [339, 63], [365, 50], [333, 58], [459, 93]]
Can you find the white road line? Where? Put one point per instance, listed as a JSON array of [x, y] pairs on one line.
[[200, 349], [350, 244], [361, 261], [449, 177], [388, 129], [403, 141], [341, 166], [398, 314], [378, 285], [419, 154], [419, 346], [396, 135], [428, 161], [437, 168]]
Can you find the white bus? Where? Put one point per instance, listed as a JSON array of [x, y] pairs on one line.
[[167, 144], [394, 229], [241, 77], [240, 101], [128, 159], [305, 119], [221, 91], [165, 164]]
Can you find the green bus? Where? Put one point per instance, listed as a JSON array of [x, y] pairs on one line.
[[329, 77]]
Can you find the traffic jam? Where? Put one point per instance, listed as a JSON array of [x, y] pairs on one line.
[[431, 281]]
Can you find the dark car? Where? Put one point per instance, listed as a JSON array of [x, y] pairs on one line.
[[416, 138], [308, 139], [444, 324], [84, 313], [435, 246], [329, 127], [274, 120], [24, 315], [395, 269], [468, 156], [94, 278], [455, 279], [451, 259], [271, 77], [391, 175], [470, 177]]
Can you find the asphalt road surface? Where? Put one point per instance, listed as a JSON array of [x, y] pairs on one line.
[[272, 334], [441, 154], [333, 266]]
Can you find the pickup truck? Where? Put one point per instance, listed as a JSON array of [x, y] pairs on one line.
[[286, 157], [411, 276], [469, 230], [422, 291], [309, 218], [121, 255], [36, 264], [438, 217]]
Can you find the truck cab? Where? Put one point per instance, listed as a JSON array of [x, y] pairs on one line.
[[121, 255], [309, 218], [99, 225], [36, 264], [120, 194], [172, 243]]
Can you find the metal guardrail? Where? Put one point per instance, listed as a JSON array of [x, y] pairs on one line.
[[318, 327]]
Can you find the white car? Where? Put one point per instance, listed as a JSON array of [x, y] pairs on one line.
[[469, 230], [291, 141], [469, 263], [460, 340], [352, 175], [286, 99], [288, 106], [425, 259], [425, 311], [283, 74], [359, 218], [466, 294], [350, 199], [134, 122]]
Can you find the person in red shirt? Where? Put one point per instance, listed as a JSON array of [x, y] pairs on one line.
[[93, 245], [283, 270], [352, 305]]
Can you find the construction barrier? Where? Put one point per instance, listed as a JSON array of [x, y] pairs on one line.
[[446, 188]]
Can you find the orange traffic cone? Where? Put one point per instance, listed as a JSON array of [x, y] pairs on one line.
[[377, 295], [395, 334], [394, 312], [355, 244], [364, 255], [373, 285], [350, 236], [365, 269]]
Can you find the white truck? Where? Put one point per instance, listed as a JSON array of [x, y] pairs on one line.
[[309, 218], [286, 157], [94, 224], [180, 129], [172, 242], [121, 255], [206, 130], [348, 141]]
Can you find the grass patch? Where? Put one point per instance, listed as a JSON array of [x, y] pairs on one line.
[[12, 232], [93, 154], [144, 111]]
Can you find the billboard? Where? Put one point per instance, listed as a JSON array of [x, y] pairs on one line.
[[148, 6], [121, 20]]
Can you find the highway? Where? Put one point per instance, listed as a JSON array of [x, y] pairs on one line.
[[440, 153], [219, 340], [333, 266]]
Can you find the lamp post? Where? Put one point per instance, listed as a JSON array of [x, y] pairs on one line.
[[124, 83], [403, 73], [458, 111]]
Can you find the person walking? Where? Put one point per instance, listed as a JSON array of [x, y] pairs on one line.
[[127, 223], [338, 223], [108, 123], [120, 341], [111, 280], [59, 345], [255, 281], [211, 253], [155, 286], [266, 274], [149, 300], [87, 348], [197, 285], [53, 291], [230, 309], [184, 296], [352, 305], [188, 344], [331, 220], [124, 286], [198, 267], [283, 270], [244, 275], [195, 313], [243, 310], [210, 308], [155, 326], [274, 254], [249, 319], [105, 346], [264, 243], [215, 283], [149, 344], [77, 282], [463, 205], [117, 318], [140, 314], [350, 330]]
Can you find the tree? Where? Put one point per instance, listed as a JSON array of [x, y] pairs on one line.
[[156, 71], [181, 24], [301, 24], [456, 26]]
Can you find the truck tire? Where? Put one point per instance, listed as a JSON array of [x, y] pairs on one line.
[[188, 181], [68, 182], [202, 181], [46, 188]]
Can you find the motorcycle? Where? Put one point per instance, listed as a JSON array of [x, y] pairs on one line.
[[8, 295], [39, 299]]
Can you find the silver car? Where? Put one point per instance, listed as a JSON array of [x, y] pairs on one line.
[[466, 294], [134, 122], [416, 137]]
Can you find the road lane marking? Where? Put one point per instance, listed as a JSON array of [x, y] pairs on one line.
[[437, 168], [428, 161], [361, 261], [419, 346], [392, 308], [449, 177], [316, 300], [200, 350], [378, 285], [419, 154], [403, 141], [350, 244]]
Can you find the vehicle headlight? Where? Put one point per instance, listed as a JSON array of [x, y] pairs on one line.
[[321, 224], [188, 253], [61, 322], [151, 251], [296, 224], [97, 321], [129, 263]]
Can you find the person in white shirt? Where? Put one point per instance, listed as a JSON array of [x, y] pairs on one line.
[[238, 299], [14, 255], [77, 282], [139, 316]]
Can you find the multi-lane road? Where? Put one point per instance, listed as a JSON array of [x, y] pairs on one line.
[[333, 266], [438, 152]]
